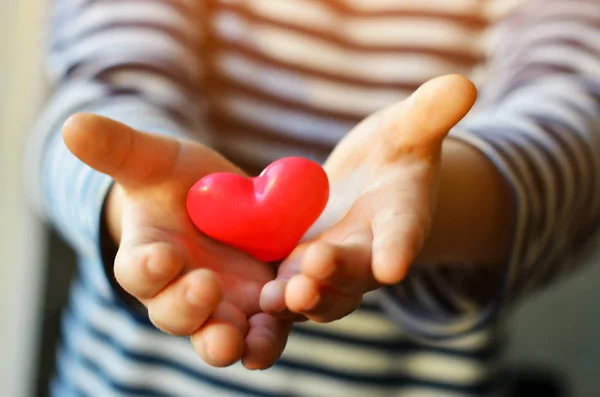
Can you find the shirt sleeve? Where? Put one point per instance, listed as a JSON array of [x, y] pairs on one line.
[[135, 61], [538, 121]]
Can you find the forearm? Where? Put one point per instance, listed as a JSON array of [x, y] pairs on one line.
[[139, 68], [474, 217], [537, 122]]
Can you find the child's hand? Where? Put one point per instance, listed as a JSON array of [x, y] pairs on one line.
[[190, 284], [392, 161]]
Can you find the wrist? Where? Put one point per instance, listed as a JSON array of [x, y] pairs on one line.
[[474, 215]]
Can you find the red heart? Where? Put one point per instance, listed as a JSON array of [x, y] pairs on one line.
[[265, 216]]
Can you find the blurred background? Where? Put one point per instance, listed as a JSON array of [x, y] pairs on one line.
[[557, 330]]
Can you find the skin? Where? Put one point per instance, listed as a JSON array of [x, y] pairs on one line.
[[396, 218], [190, 284], [194, 286]]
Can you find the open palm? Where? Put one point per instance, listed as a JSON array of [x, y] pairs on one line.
[[387, 172]]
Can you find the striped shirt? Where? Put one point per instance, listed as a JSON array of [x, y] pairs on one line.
[[262, 79]]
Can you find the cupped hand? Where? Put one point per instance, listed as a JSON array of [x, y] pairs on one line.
[[387, 171], [190, 284]]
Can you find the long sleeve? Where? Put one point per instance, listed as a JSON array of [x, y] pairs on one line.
[[538, 121], [133, 62]]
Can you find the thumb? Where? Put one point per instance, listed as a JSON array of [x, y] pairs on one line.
[[438, 105], [129, 156], [415, 126], [420, 123], [424, 119]]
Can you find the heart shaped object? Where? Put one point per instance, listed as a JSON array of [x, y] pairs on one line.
[[265, 216]]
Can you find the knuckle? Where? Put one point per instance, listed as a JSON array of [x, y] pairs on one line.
[[320, 262], [159, 263], [201, 291], [171, 323], [143, 271]]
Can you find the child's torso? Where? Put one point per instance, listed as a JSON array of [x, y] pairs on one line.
[[363, 355], [292, 77]]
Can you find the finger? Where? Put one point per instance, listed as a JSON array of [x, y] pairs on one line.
[[182, 307], [266, 341], [414, 126], [306, 296], [220, 342], [398, 236], [272, 295], [431, 111], [146, 269], [129, 156], [345, 266], [272, 301], [242, 293], [230, 313]]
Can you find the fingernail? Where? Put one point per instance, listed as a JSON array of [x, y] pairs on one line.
[[272, 296]]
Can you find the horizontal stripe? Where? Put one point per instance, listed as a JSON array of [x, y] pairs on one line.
[[150, 376], [97, 17], [444, 39], [364, 328], [259, 80], [368, 82], [179, 347], [320, 55], [376, 7], [127, 41], [232, 129], [320, 96], [290, 122]]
